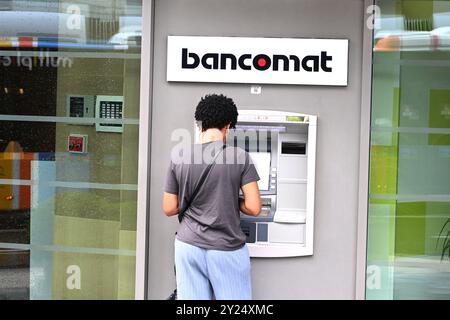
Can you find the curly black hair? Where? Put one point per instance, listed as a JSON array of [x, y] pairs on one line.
[[216, 111]]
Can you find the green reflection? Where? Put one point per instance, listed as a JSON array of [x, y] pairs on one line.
[[409, 200]]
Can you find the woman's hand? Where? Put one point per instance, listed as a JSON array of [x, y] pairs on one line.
[[251, 204]]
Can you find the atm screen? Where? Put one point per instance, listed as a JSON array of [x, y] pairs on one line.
[[261, 160]]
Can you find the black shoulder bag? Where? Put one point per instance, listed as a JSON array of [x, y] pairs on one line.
[[188, 202]]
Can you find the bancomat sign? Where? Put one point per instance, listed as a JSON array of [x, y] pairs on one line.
[[257, 60]]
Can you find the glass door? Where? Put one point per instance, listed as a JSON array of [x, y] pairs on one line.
[[409, 201], [69, 120]]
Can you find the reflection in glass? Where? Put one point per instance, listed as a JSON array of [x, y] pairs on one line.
[[409, 203]]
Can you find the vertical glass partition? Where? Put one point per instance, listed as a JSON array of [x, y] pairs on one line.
[[69, 115], [409, 201]]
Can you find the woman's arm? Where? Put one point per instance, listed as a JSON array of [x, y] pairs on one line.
[[170, 204], [251, 204]]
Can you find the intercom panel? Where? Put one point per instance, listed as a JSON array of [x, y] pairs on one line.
[[110, 109]]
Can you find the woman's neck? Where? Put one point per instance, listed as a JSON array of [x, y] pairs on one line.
[[211, 135]]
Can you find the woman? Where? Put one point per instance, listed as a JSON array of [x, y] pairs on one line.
[[211, 257]]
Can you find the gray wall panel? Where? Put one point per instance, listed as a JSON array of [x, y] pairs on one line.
[[330, 273]]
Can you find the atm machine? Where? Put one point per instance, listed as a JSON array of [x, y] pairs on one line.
[[282, 145]]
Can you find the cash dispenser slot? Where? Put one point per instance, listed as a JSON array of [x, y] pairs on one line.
[[268, 208]]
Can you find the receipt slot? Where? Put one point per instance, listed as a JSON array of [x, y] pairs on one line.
[[282, 146]]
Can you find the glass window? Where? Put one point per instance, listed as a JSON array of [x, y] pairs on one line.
[[69, 115], [409, 201]]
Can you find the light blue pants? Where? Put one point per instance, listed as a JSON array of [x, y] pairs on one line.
[[206, 274]]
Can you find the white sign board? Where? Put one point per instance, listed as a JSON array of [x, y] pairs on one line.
[[257, 60]]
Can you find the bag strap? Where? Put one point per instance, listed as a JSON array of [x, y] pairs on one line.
[[199, 184]]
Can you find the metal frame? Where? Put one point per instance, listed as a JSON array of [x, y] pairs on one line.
[[145, 117], [364, 157]]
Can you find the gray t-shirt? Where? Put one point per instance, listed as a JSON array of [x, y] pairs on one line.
[[212, 221]]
